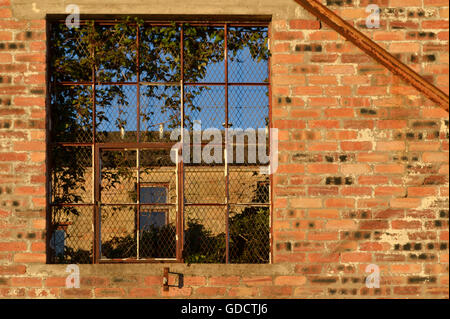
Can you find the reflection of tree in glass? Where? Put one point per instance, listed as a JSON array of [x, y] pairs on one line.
[[109, 54]]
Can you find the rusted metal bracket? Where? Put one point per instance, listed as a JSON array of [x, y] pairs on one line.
[[376, 52], [166, 279]]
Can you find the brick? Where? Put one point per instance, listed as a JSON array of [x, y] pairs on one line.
[[290, 280], [276, 292], [304, 24], [323, 35], [323, 124], [340, 112], [356, 146], [243, 292], [356, 257], [392, 124], [76, 293], [340, 202], [338, 69], [5, 58], [109, 292], [390, 146], [5, 13], [405, 202], [288, 35], [305, 202], [323, 168], [435, 157], [142, 292], [390, 168], [390, 191], [354, 169], [30, 57], [6, 270], [195, 280], [422, 191], [26, 282], [323, 257], [29, 258], [29, 101], [13, 246], [257, 281], [403, 224], [55, 282], [224, 281], [341, 224], [435, 24], [211, 291]]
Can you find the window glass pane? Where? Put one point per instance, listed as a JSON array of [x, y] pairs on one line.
[[71, 239], [71, 175], [157, 233], [160, 54], [149, 219], [249, 106], [248, 54], [118, 232], [71, 116], [57, 241], [131, 103], [204, 54], [71, 57], [115, 49], [116, 113], [153, 195], [160, 112], [118, 177]]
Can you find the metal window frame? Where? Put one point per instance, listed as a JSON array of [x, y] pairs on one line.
[[98, 147]]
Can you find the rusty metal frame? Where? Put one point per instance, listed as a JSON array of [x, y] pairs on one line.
[[98, 147], [376, 52], [158, 205]]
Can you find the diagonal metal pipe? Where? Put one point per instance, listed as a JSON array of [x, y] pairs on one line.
[[375, 51]]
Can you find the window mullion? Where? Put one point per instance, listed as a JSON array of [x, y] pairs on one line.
[[227, 195]]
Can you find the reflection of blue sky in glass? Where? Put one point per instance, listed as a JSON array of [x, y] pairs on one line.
[[170, 73], [248, 105], [210, 106], [118, 114], [242, 68], [58, 241], [154, 110]]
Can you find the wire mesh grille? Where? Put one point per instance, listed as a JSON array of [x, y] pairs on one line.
[[116, 113], [116, 85], [160, 112], [205, 234], [71, 175], [249, 234], [118, 232], [115, 51], [71, 236], [204, 54], [205, 107], [71, 54], [249, 106], [157, 232], [118, 177], [248, 54], [160, 54], [72, 115]]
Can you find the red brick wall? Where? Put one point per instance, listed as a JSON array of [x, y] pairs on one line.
[[363, 174]]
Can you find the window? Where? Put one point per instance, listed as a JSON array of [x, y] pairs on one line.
[[153, 131], [57, 242], [153, 218]]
